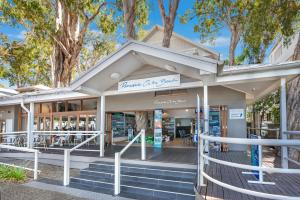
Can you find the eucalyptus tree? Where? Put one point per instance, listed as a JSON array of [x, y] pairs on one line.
[[168, 18], [63, 22], [213, 15], [24, 63], [260, 32], [135, 15]]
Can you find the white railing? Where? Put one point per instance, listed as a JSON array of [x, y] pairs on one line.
[[43, 138], [117, 186], [293, 147], [263, 131], [67, 155], [260, 168], [36, 152], [16, 138]]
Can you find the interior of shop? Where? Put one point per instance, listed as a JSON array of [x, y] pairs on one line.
[[165, 128]]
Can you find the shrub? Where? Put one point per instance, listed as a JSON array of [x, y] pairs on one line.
[[12, 174]]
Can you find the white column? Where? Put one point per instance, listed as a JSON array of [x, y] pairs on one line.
[[143, 144], [283, 122], [206, 115], [102, 126], [31, 125]]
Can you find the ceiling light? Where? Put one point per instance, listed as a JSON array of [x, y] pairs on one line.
[[170, 67], [186, 110], [115, 76]]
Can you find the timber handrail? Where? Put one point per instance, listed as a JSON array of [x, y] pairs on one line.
[[117, 186]]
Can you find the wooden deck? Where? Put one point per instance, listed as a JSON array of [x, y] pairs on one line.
[[285, 184]]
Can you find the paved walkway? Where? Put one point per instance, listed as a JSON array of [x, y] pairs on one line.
[[26, 192]]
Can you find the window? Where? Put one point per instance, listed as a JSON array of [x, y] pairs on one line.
[[89, 104], [37, 108], [91, 122], [56, 123], [82, 122], [74, 105], [59, 107], [46, 107]]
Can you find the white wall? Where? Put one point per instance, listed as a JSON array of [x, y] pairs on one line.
[[217, 95], [282, 53]]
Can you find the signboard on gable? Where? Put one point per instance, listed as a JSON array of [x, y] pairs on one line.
[[150, 83]]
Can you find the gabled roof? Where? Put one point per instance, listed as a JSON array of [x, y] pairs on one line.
[[142, 52], [195, 44]]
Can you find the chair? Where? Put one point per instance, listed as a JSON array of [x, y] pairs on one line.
[[77, 138]]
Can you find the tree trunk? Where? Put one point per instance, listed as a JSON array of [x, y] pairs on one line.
[[68, 41], [234, 40], [168, 20], [293, 103], [296, 55], [129, 18]]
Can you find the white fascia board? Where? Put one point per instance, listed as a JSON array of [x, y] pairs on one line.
[[8, 91], [245, 77], [159, 52], [42, 98], [194, 84], [88, 91], [178, 58]]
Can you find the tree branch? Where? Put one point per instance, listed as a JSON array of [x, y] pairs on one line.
[[162, 9]]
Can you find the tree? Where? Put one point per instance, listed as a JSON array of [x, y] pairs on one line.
[[260, 32], [135, 15], [213, 15], [168, 20], [25, 63], [269, 104], [65, 23], [96, 46]]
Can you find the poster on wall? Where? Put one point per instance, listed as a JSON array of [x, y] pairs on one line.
[[158, 128], [236, 114]]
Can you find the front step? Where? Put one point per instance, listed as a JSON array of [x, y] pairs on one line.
[[138, 181]]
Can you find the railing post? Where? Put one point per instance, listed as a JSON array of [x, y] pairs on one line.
[[102, 126], [35, 175], [201, 180], [117, 174], [260, 152], [143, 144], [283, 123], [66, 167]]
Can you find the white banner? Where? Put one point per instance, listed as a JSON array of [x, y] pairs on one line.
[[150, 83]]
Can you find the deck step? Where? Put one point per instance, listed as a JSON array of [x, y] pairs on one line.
[[157, 171], [142, 178], [138, 181]]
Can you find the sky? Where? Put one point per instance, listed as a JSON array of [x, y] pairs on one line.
[[221, 43]]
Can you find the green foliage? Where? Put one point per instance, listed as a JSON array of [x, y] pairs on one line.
[[96, 46], [266, 20], [270, 104], [25, 63], [12, 174], [213, 15], [39, 18]]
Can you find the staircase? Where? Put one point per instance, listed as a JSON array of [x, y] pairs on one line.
[[138, 181]]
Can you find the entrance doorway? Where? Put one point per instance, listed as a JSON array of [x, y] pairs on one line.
[[177, 126]]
